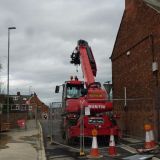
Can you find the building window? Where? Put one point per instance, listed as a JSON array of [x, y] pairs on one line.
[[15, 107], [23, 108], [30, 108], [15, 98]]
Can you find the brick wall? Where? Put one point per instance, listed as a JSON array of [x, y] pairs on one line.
[[134, 71]]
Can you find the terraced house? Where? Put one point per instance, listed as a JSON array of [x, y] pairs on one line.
[[20, 107]]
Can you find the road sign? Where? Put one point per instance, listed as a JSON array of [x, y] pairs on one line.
[[44, 115]]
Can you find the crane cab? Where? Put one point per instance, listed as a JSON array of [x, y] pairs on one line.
[[73, 89]]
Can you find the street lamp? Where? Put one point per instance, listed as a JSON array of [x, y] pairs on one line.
[[9, 28]]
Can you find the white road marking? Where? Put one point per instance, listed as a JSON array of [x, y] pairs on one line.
[[128, 148]]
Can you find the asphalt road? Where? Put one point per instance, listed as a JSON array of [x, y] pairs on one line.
[[57, 150]]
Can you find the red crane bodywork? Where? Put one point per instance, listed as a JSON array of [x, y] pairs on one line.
[[94, 100]]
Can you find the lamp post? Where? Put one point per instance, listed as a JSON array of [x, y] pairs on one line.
[[9, 28]]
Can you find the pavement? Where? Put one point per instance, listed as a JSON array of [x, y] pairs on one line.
[[133, 144], [23, 143]]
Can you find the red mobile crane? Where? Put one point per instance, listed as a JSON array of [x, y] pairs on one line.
[[88, 96]]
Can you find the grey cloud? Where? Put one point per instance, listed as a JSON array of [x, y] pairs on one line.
[[47, 32]]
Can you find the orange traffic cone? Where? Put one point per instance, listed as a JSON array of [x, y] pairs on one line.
[[94, 153], [148, 143], [112, 149], [153, 143]]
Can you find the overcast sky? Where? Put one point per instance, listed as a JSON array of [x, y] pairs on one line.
[[47, 33]]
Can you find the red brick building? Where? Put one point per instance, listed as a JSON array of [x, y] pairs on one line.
[[135, 67], [21, 107], [36, 106], [18, 109]]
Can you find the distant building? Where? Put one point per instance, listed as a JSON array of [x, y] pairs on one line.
[[18, 109], [21, 107], [36, 106], [135, 67], [18, 103]]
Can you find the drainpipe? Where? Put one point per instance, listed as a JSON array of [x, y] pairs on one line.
[[156, 108]]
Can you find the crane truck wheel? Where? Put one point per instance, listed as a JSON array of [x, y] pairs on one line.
[[106, 139], [67, 140]]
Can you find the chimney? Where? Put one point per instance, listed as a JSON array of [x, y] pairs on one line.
[[18, 93]]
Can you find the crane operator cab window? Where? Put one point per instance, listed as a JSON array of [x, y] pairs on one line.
[[74, 91]]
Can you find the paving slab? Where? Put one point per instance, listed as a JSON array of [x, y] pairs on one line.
[[22, 144], [18, 151]]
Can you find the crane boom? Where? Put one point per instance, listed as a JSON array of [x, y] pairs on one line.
[[83, 54]]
